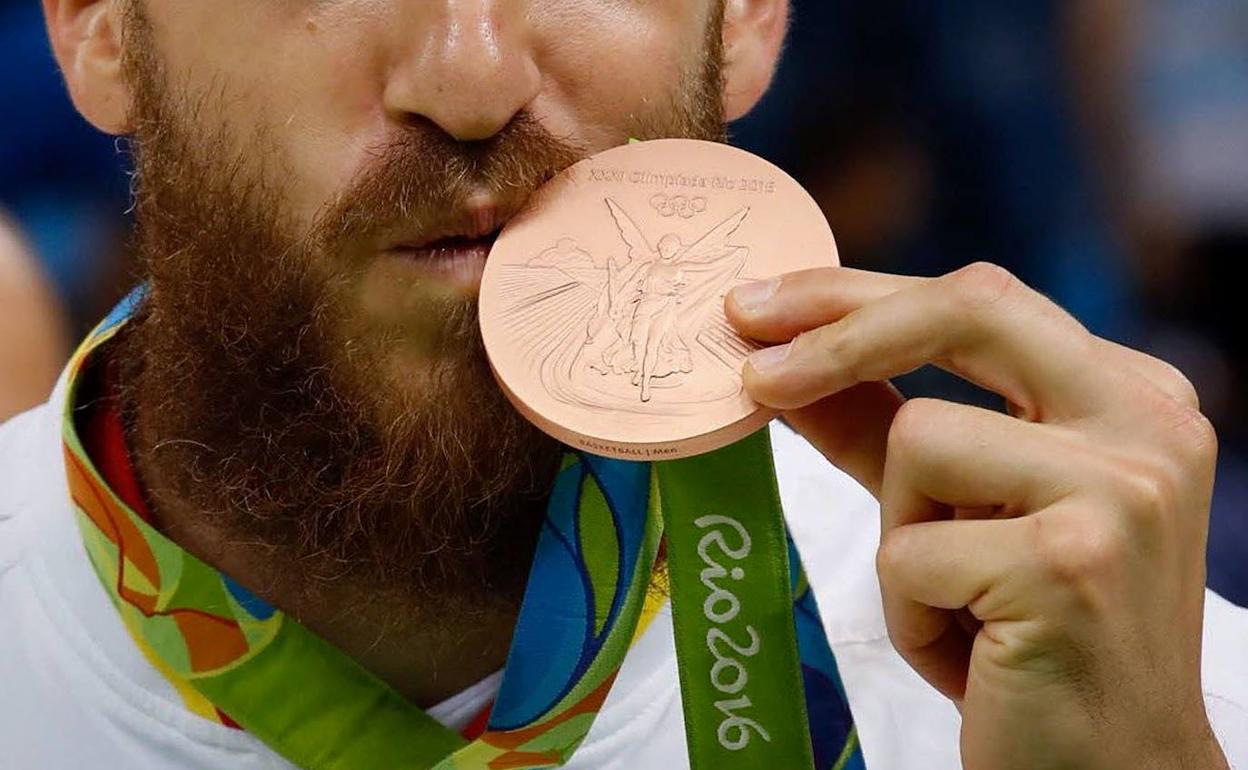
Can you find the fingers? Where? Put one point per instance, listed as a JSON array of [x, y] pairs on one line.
[[948, 564], [943, 455], [780, 309], [929, 571], [979, 323]]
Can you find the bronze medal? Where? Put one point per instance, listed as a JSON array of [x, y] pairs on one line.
[[602, 303]]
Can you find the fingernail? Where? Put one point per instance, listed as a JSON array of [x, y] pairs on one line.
[[769, 358], [750, 296]]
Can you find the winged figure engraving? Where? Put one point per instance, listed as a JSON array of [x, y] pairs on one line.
[[641, 318], [655, 294]]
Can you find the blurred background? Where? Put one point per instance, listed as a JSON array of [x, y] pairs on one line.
[[1098, 148]]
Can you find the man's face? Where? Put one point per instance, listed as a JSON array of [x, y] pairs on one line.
[[318, 184], [391, 140]]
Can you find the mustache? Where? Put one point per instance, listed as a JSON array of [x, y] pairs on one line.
[[423, 179]]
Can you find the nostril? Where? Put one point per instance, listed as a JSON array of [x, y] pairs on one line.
[[471, 77]]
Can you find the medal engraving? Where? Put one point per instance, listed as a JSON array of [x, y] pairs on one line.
[[602, 305], [650, 315]]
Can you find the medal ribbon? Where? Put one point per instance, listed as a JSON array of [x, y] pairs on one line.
[[732, 606], [590, 595]]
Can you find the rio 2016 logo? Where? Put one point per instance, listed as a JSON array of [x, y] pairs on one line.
[[728, 674]]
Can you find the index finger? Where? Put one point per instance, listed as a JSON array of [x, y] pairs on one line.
[[779, 309], [980, 323]]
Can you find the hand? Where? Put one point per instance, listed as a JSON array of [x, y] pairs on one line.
[[1044, 570]]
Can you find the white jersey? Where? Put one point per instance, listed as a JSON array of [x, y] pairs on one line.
[[76, 692]]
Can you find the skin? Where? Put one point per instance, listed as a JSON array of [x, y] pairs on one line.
[[31, 359], [1045, 570], [1057, 602]]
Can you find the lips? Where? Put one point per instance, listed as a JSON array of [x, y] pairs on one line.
[[456, 251], [456, 260]]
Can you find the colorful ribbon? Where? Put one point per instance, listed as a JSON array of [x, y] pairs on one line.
[[591, 593]]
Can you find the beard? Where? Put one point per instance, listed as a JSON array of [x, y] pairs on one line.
[[260, 401]]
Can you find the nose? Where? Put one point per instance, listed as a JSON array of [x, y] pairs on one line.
[[466, 65]]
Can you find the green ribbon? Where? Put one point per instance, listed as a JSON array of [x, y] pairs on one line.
[[732, 607]]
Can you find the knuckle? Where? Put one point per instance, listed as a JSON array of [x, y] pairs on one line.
[[1186, 436], [1166, 378], [1076, 552], [1187, 393], [891, 556], [1149, 494], [1179, 386], [915, 416], [886, 558], [982, 285], [1198, 439]]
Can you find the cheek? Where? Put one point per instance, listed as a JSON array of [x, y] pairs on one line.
[[331, 78], [297, 84], [605, 63]]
